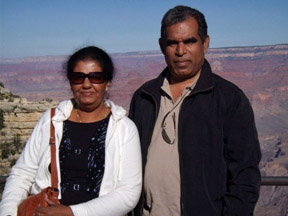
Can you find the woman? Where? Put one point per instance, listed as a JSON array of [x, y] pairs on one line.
[[99, 162]]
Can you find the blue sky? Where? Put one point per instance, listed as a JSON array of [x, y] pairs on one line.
[[59, 27]]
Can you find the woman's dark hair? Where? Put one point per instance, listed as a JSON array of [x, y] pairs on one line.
[[95, 54], [181, 13]]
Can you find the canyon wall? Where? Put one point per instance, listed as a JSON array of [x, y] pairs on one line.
[[261, 72]]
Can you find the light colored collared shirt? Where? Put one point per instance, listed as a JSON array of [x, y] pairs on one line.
[[162, 173]]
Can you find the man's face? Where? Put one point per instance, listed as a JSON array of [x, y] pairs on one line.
[[183, 49]]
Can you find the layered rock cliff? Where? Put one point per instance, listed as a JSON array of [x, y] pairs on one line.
[[18, 117]]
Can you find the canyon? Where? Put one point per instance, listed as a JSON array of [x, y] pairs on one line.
[[33, 84]]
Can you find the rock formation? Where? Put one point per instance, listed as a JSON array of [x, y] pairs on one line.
[[17, 119]]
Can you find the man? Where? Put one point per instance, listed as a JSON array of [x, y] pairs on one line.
[[199, 142]]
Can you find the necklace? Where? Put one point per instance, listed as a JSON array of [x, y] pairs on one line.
[[106, 112], [78, 116]]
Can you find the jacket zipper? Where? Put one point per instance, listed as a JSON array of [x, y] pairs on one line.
[[180, 159]]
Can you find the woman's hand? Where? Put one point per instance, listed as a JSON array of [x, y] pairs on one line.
[[53, 209]]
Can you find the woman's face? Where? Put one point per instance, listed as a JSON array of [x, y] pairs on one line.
[[89, 96]]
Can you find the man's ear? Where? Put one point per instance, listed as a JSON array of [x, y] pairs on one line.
[[162, 45], [206, 43]]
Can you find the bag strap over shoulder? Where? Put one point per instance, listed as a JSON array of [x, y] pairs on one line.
[[54, 176]]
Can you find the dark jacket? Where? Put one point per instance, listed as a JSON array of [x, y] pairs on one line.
[[219, 150]]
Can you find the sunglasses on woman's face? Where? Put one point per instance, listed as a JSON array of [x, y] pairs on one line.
[[94, 77]]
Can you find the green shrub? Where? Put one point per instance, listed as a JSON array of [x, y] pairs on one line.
[[5, 150], [13, 151], [17, 142], [1, 119], [13, 162], [11, 99]]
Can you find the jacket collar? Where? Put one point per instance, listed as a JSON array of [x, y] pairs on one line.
[[204, 83], [64, 110]]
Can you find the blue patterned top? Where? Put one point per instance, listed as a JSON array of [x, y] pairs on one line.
[[82, 160]]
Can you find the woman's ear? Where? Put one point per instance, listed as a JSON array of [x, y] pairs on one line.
[[107, 86]]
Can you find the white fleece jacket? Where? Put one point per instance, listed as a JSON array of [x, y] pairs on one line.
[[122, 180]]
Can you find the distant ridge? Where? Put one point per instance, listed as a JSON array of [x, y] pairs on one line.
[[283, 46]]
